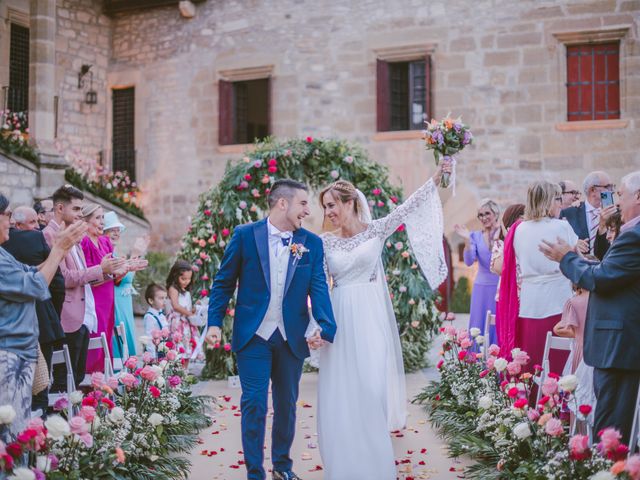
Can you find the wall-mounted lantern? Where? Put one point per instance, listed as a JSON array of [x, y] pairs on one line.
[[91, 96]]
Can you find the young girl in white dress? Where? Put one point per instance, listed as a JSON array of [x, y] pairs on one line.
[[361, 390], [180, 305]]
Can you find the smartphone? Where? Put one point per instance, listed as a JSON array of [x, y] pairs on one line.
[[606, 198]]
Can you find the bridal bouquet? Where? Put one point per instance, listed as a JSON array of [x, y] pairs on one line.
[[446, 138]]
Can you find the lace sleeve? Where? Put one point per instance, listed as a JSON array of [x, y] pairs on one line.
[[422, 214]]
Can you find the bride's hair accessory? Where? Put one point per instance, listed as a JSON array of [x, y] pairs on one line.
[[343, 191]]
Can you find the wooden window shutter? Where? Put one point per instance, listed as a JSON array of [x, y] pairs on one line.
[[225, 110], [18, 93], [123, 137], [382, 96]]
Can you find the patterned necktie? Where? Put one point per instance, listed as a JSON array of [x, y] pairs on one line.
[[593, 231]]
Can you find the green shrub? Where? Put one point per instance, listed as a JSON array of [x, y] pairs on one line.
[[159, 265], [461, 298]]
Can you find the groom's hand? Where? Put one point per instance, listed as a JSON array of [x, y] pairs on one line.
[[214, 335]]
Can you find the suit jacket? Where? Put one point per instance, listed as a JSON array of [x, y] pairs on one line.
[[246, 262], [612, 328], [75, 278], [30, 247], [577, 218]]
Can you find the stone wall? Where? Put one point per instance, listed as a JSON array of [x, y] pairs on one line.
[[18, 179], [496, 62]]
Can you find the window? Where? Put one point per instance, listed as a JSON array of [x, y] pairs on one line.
[[593, 81], [403, 94], [244, 111], [18, 93], [123, 142]]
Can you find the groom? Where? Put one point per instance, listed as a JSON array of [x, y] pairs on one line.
[[277, 265]]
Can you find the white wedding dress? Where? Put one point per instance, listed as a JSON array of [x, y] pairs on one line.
[[361, 390]]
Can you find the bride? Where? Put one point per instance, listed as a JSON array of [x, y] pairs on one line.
[[361, 389]]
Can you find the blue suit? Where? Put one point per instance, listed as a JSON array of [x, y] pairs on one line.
[[246, 263], [577, 218], [612, 328]]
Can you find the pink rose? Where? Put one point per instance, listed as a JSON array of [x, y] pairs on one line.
[[533, 415], [578, 443], [147, 357], [513, 368], [88, 413], [450, 316], [112, 383], [174, 381], [172, 355], [131, 363], [450, 330], [149, 374], [87, 439], [78, 425], [97, 379], [550, 386], [494, 350], [542, 421], [128, 380], [633, 467], [463, 333], [554, 427], [490, 362], [521, 358], [610, 439], [520, 403], [61, 404], [466, 343]]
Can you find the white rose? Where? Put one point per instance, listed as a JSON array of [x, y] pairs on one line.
[[522, 430], [22, 474], [43, 463], [485, 402], [160, 381], [603, 475], [479, 339], [57, 427], [155, 419], [7, 414], [500, 364], [515, 352], [568, 383], [144, 339], [116, 415], [156, 369], [76, 397], [474, 332]]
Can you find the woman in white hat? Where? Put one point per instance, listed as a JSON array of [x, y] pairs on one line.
[[123, 289]]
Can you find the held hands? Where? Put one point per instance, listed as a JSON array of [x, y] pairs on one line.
[[445, 166], [315, 341], [555, 251], [214, 335]]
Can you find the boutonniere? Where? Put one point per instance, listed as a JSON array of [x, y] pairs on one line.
[[298, 250]]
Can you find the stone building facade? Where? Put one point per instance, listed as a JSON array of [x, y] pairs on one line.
[[501, 64]]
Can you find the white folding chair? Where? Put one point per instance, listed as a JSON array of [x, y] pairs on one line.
[[97, 343], [634, 441], [552, 343], [60, 357], [489, 320], [118, 363]]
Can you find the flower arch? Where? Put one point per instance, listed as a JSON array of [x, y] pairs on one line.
[[240, 197]]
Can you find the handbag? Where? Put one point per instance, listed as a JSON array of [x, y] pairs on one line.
[[40, 374]]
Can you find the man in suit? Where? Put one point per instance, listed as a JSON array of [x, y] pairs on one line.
[[44, 209], [612, 329], [570, 194], [278, 265], [27, 245], [78, 317], [585, 218]]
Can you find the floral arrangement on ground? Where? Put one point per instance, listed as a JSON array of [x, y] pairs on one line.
[[132, 425], [14, 135], [241, 197], [485, 409]]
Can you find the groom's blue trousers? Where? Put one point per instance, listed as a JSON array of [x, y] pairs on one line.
[[258, 362]]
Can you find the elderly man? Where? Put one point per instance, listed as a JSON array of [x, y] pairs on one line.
[[27, 245], [612, 329], [570, 194], [26, 218], [44, 209], [20, 286], [585, 218]]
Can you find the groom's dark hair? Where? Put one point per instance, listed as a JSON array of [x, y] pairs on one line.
[[284, 188]]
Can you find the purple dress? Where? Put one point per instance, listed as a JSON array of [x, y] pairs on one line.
[[483, 295], [104, 296]]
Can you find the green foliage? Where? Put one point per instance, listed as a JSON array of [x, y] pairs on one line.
[[100, 189], [240, 197], [156, 272], [461, 297], [18, 146]]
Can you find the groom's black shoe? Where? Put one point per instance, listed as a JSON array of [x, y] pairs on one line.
[[285, 475]]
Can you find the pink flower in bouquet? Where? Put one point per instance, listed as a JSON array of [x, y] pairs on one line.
[[78, 425], [484, 373], [112, 383], [149, 374], [633, 467], [147, 357], [155, 391], [165, 332], [376, 191], [108, 403], [227, 347], [514, 368], [61, 404], [553, 375], [174, 381], [494, 350], [97, 379], [466, 343], [88, 413], [128, 380], [533, 415], [585, 409], [450, 316], [554, 427], [89, 401], [490, 362], [120, 458], [550, 386], [172, 355], [26, 436], [440, 363], [177, 337], [463, 333], [544, 400], [609, 439], [579, 447], [513, 392], [131, 363], [87, 439], [450, 330], [225, 232], [521, 357], [462, 354], [520, 403], [156, 333], [542, 421], [204, 292], [309, 139]]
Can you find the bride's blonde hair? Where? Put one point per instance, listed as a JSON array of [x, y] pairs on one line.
[[343, 191]]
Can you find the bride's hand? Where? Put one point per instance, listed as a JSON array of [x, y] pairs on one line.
[[445, 166]]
